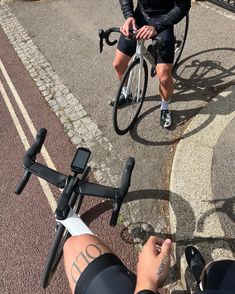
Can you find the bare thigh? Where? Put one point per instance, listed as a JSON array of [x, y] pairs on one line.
[[120, 63], [79, 251]]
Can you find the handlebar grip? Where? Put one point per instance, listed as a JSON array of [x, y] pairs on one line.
[[30, 155], [126, 176], [115, 213], [20, 187], [105, 35], [108, 32]]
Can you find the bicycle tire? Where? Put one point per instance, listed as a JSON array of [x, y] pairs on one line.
[[54, 255], [61, 235], [180, 32], [131, 104]]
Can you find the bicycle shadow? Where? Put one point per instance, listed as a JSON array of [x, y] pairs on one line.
[[136, 233], [225, 206], [200, 77], [206, 68]]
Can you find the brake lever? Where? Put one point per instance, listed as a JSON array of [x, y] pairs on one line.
[[101, 35]]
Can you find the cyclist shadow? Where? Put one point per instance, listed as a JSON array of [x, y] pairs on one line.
[[184, 233], [199, 78]]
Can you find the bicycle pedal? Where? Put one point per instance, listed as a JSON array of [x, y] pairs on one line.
[[112, 102], [153, 72]]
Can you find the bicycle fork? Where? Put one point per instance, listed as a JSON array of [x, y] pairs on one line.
[[132, 76], [139, 54], [140, 72]]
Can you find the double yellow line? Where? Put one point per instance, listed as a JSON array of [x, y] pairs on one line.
[[46, 189]]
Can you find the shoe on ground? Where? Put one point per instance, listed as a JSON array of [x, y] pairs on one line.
[[122, 100], [195, 262], [165, 119]]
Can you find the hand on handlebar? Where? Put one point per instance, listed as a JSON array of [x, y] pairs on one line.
[[128, 24], [154, 264], [146, 32]]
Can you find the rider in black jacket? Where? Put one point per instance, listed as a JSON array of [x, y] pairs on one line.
[[151, 18], [171, 12]]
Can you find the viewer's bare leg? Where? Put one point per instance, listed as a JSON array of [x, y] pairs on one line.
[[79, 251]]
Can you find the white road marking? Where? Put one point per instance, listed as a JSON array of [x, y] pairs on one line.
[[26, 116], [46, 189]]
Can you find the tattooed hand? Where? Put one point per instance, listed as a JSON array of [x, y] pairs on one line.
[[154, 264]]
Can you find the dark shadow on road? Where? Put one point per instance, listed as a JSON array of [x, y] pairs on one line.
[[138, 232], [181, 207], [93, 213], [225, 206], [199, 77], [206, 69], [186, 226]]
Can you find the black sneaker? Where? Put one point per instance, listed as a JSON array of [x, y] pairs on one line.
[[122, 100], [165, 119], [195, 262]]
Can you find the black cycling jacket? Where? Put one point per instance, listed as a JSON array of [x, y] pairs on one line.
[[168, 12]]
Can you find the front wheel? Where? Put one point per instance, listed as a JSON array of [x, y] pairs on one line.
[[180, 32], [126, 111]]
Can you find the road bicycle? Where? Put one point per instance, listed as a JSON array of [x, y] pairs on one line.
[[135, 77], [75, 187]]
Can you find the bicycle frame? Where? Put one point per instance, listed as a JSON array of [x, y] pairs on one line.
[[142, 52], [67, 218], [74, 224]]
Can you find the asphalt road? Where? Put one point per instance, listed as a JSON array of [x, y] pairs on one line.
[[27, 221], [66, 34], [223, 189]]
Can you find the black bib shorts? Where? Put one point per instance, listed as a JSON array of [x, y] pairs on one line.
[[108, 275], [128, 46], [220, 275], [105, 275]]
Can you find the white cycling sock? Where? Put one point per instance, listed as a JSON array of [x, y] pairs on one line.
[[165, 105]]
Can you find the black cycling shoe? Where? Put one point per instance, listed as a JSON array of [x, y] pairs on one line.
[[195, 262], [121, 100], [165, 119]]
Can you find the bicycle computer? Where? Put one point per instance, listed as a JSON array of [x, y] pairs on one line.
[[80, 160]]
